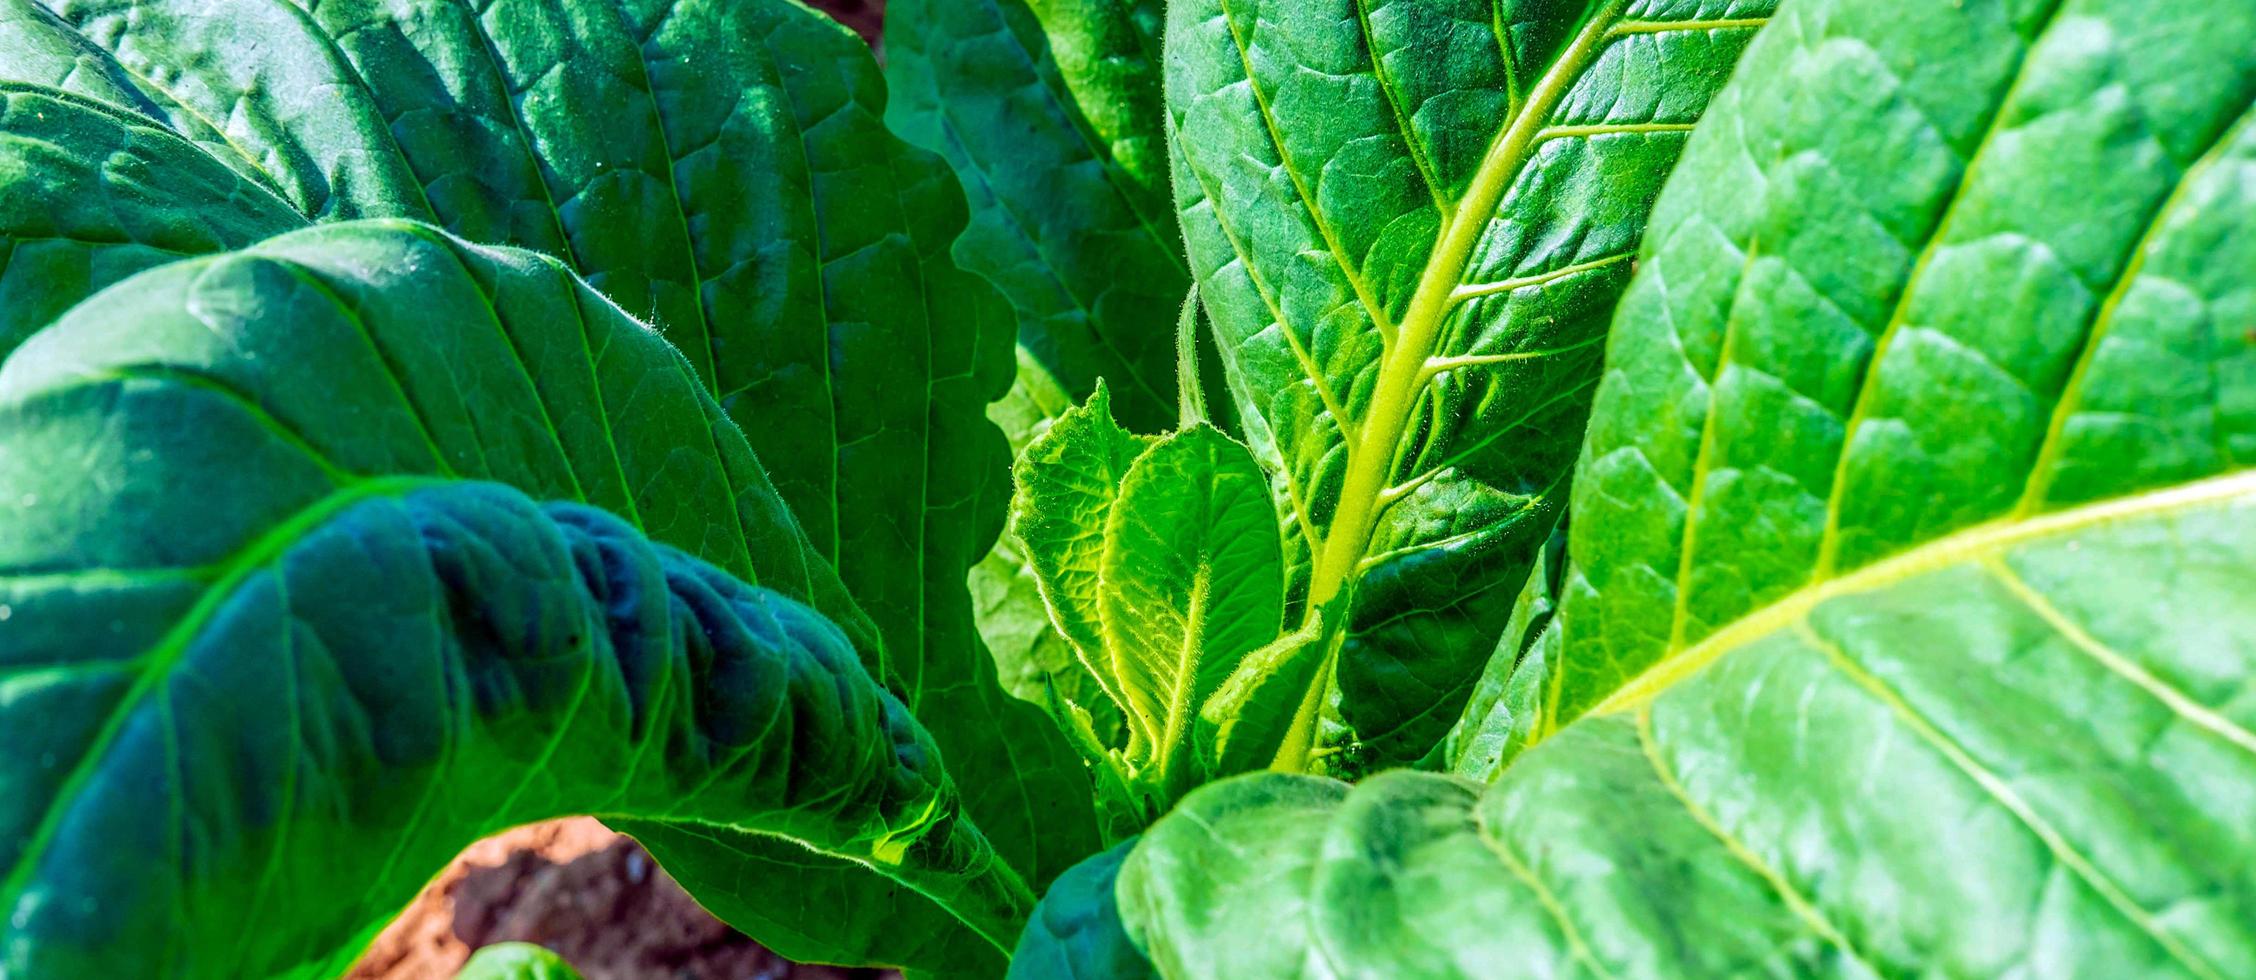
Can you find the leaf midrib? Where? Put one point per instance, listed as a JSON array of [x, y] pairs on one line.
[[1371, 443], [1370, 450], [1972, 544]]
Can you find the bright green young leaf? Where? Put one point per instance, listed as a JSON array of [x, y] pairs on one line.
[[1050, 112], [1160, 563], [503, 559], [720, 169], [1410, 221], [1190, 581], [1069, 480], [516, 961]]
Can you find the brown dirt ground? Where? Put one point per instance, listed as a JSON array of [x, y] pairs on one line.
[[574, 886], [589, 894]]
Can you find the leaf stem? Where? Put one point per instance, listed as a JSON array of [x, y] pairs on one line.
[[1401, 368]]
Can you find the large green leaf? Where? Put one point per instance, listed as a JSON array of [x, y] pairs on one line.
[[2008, 273], [718, 168], [1049, 110], [1410, 221], [311, 573], [2023, 749], [2014, 739]]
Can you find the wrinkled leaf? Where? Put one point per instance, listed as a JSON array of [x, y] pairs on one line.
[[2014, 737], [2007, 274], [2004, 752], [1069, 482], [719, 169], [504, 560], [1190, 581]]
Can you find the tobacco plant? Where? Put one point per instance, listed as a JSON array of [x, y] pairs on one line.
[[1501, 487]]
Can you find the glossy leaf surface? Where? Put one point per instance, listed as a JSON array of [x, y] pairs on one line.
[[2009, 274], [2018, 749], [1410, 222], [2005, 736]]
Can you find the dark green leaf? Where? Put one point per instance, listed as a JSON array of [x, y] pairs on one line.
[[91, 193], [1507, 704], [1049, 111], [1075, 933], [717, 168], [229, 694]]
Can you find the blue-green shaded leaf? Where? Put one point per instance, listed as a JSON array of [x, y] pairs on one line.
[[1076, 933], [503, 559]]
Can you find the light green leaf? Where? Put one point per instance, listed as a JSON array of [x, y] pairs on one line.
[[1190, 581], [516, 961], [503, 559], [2008, 274], [1069, 480], [1049, 110], [719, 169], [2015, 749], [2014, 739], [1159, 561], [1410, 221]]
